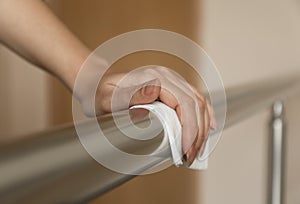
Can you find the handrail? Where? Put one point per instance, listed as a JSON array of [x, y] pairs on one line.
[[53, 166]]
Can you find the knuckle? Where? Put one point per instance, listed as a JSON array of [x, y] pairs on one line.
[[189, 102], [199, 142], [202, 136], [201, 105]]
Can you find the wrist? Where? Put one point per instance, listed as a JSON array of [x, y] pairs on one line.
[[86, 71], [72, 68]]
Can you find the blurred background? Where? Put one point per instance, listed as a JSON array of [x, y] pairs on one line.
[[247, 40]]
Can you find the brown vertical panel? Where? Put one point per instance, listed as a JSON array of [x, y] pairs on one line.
[[94, 22], [6, 95], [59, 102], [59, 97]]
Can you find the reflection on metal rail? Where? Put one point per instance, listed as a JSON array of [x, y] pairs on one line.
[[53, 167]]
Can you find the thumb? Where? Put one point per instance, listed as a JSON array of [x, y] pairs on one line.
[[149, 92]]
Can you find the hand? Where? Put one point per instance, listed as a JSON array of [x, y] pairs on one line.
[[118, 91]]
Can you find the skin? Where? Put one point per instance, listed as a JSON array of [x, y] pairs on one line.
[[34, 32]]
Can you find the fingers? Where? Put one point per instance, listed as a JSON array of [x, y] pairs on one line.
[[211, 112], [206, 122], [213, 122], [185, 108], [204, 125], [125, 95], [147, 94], [194, 112], [207, 127]]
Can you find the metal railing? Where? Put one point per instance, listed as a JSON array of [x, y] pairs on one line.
[[53, 166]]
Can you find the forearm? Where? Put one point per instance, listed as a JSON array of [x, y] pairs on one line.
[[32, 30]]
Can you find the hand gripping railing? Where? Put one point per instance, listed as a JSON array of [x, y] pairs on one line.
[[53, 166]]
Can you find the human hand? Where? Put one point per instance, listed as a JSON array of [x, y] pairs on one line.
[[119, 91]]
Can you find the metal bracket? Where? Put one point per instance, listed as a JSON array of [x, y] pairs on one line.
[[276, 155]]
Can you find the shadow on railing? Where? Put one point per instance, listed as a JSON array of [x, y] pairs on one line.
[[53, 166]]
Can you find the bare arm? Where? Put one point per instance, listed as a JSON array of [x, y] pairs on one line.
[[32, 30]]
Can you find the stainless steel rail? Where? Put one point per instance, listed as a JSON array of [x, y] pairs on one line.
[[53, 166]]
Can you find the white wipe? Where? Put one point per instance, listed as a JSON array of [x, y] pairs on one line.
[[172, 130]]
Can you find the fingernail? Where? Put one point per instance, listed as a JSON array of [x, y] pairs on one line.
[[184, 157], [189, 163], [186, 160], [148, 90]]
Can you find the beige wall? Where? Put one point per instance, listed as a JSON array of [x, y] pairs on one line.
[[251, 40]]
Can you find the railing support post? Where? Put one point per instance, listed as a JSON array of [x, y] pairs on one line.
[[276, 155]]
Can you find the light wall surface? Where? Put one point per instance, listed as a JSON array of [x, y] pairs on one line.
[[250, 40]]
